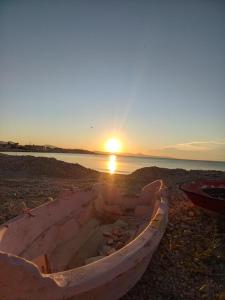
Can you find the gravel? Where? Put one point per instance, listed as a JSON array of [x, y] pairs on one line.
[[190, 260]]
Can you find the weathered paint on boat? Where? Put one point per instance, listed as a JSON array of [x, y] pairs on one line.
[[29, 236], [195, 192]]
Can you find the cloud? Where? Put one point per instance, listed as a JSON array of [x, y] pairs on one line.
[[197, 146], [203, 150]]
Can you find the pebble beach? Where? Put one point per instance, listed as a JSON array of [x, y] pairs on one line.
[[190, 260]]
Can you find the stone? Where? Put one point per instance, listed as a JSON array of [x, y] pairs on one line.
[[110, 242], [191, 214], [106, 250], [120, 223], [113, 210], [107, 234], [50, 199], [117, 232], [115, 239], [186, 232], [221, 296], [111, 251], [142, 210], [204, 288], [129, 203], [119, 245], [130, 234], [125, 238]]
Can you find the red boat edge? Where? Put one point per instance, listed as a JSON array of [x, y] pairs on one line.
[[195, 192]]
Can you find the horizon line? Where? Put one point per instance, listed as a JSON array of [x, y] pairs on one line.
[[108, 153]]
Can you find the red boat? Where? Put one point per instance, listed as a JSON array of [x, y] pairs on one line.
[[208, 194]]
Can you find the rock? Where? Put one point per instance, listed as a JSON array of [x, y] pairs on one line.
[[50, 199], [107, 249], [104, 250], [111, 251], [107, 228], [117, 232], [221, 296], [113, 209], [124, 238], [191, 214], [204, 288], [120, 223], [110, 242], [129, 203], [119, 245], [130, 234], [142, 210], [115, 239], [187, 231], [107, 234]]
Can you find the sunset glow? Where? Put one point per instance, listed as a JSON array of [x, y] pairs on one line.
[[113, 145], [89, 82]]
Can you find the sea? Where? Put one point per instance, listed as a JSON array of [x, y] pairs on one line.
[[127, 164]]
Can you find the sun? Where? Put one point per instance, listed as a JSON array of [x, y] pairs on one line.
[[113, 145]]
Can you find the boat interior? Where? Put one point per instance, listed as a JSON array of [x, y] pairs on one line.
[[79, 228]]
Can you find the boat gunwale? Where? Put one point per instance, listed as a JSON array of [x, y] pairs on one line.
[[198, 191]]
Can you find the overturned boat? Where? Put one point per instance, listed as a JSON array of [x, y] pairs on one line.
[[207, 194], [85, 245]]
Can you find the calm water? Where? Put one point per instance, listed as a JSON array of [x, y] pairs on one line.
[[126, 165]]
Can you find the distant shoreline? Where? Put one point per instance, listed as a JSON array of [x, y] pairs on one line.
[[50, 151], [80, 151]]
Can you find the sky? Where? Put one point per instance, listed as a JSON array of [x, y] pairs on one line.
[[151, 73]]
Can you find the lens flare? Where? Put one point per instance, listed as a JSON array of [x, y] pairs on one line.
[[113, 145]]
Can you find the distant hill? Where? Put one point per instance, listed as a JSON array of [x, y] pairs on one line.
[[15, 147]]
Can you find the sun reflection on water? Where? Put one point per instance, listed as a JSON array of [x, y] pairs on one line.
[[112, 164]]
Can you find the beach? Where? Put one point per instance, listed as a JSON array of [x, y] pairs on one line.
[[190, 260]]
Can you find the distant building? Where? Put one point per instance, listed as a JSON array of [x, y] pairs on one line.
[[13, 144], [8, 145]]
